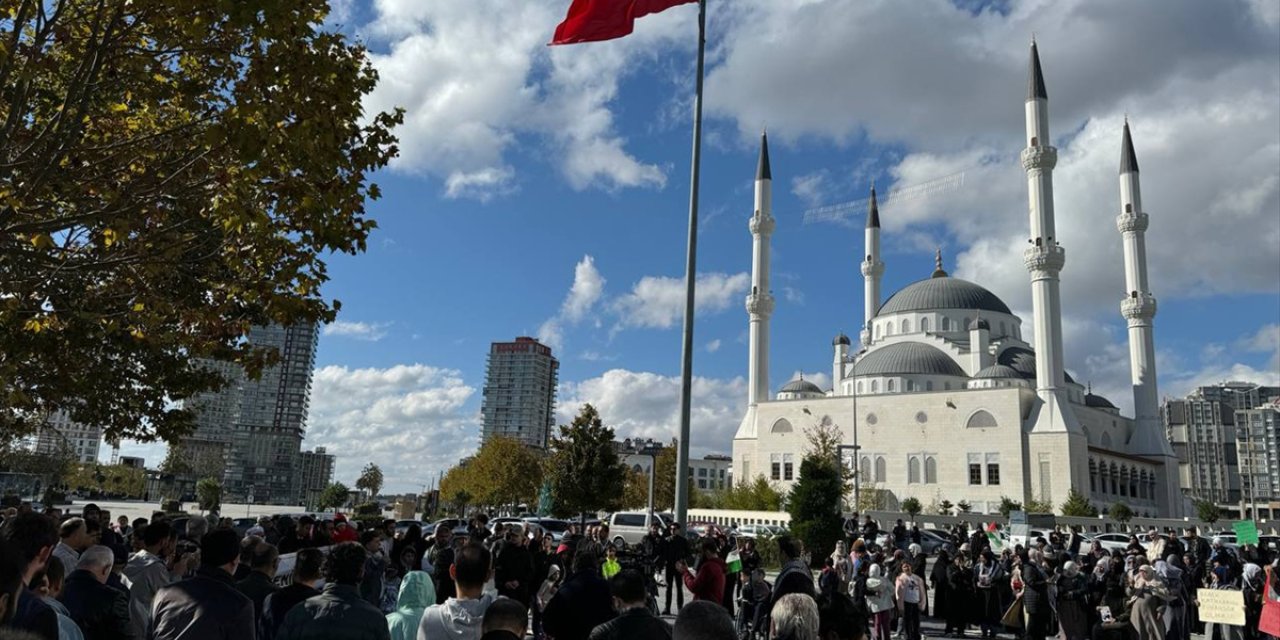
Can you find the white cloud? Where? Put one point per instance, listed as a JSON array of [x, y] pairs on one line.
[[812, 187], [370, 331], [713, 346], [658, 302], [647, 405], [479, 83], [409, 419], [586, 291]]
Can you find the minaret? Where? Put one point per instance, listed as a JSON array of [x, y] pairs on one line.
[[872, 268], [760, 300], [1139, 308], [1045, 258]]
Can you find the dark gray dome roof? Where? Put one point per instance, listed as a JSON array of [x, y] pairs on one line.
[[908, 358], [1024, 362], [1097, 402], [998, 371], [943, 293], [841, 338], [800, 386]]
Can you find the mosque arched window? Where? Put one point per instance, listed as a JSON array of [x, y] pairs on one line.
[[928, 385], [864, 468], [637, 468], [1002, 330], [981, 419], [924, 324], [947, 385], [892, 385], [782, 426], [888, 328], [913, 470], [946, 323], [859, 386], [930, 470], [880, 469], [875, 386], [911, 384], [906, 325]]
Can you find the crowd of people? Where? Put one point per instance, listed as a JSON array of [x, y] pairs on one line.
[[86, 577], [1052, 587]]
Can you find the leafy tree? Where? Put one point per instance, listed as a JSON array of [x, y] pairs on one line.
[[114, 480], [635, 489], [334, 496], [963, 506], [911, 506], [172, 173], [1120, 512], [209, 494], [504, 472], [757, 495], [585, 472], [1207, 511], [814, 505], [825, 439], [1008, 504], [1040, 506], [370, 479], [945, 507], [1078, 506], [460, 500]]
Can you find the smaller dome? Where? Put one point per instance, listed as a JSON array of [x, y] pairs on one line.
[[800, 386], [998, 371], [979, 323], [1098, 402], [841, 338], [907, 358]]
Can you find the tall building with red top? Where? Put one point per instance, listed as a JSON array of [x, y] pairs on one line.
[[520, 392]]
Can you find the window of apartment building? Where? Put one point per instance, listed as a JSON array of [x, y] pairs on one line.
[[975, 468]]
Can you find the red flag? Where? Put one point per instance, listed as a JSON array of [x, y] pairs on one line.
[[593, 20]]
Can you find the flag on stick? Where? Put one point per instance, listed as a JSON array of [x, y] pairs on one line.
[[594, 20]]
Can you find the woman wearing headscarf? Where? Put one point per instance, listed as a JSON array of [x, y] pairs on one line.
[[917, 558], [879, 602], [1252, 582], [843, 566], [938, 580], [416, 594], [1073, 602], [1175, 612], [1223, 576], [987, 576], [960, 591], [1146, 596]]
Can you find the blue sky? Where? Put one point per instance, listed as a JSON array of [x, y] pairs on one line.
[[546, 189]]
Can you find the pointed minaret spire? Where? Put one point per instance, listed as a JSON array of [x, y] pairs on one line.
[[760, 299], [1035, 85], [762, 169], [873, 209], [1128, 159], [872, 268]]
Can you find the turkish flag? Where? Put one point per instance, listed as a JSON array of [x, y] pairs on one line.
[[594, 20]]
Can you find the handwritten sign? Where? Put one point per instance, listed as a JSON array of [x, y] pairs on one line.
[[1246, 532], [1225, 606]]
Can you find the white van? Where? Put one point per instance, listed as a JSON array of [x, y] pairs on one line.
[[626, 528]]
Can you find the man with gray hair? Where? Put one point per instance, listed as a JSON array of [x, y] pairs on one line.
[[73, 538], [794, 617], [101, 611]]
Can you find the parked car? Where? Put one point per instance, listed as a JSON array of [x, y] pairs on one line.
[[931, 543], [628, 527], [1111, 541], [754, 531], [555, 527], [242, 525]]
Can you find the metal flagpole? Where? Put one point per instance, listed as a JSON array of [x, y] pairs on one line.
[[690, 273]]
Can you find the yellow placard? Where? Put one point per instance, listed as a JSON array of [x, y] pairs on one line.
[[1221, 605]]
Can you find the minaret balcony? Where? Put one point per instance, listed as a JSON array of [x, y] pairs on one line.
[[759, 304], [1048, 258], [761, 224], [1132, 221], [1039, 157], [1138, 306], [872, 269]]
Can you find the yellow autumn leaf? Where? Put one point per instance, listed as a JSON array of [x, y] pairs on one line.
[[108, 237], [137, 333], [138, 307], [42, 241], [118, 107], [33, 325]]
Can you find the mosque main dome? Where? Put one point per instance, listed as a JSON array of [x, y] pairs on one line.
[[943, 292]]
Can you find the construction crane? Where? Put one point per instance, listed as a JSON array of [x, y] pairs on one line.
[[844, 211]]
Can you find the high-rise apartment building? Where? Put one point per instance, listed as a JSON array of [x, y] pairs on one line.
[[251, 430], [520, 392], [1258, 447], [315, 472], [59, 434], [1206, 436]]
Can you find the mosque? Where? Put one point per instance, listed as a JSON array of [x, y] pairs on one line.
[[944, 399]]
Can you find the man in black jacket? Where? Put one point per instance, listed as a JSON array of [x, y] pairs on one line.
[[101, 612], [263, 560], [582, 603], [675, 550], [338, 613], [634, 621], [1035, 595], [513, 569], [206, 606], [306, 574], [33, 536]]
